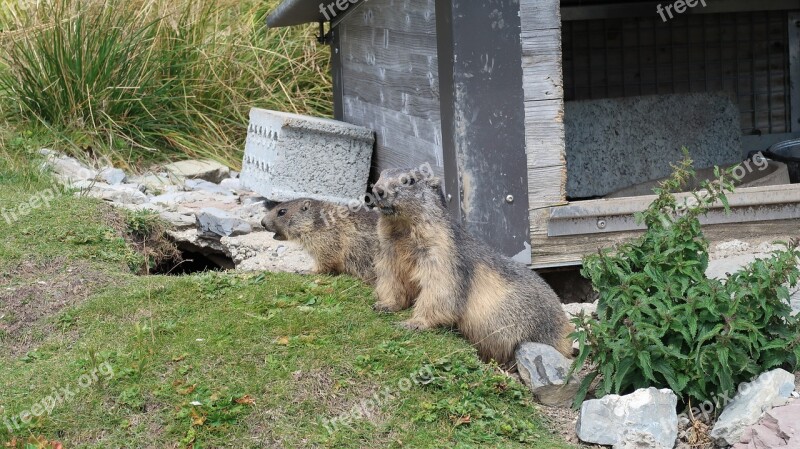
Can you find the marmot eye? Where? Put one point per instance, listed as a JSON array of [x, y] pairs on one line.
[[411, 181], [282, 212]]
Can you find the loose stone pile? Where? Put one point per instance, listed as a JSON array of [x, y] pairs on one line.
[[203, 201]]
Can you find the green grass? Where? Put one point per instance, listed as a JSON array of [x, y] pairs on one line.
[[223, 360], [142, 82]]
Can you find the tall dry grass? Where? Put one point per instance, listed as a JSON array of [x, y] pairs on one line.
[[150, 80]]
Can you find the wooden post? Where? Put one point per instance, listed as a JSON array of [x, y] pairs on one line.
[[544, 113]]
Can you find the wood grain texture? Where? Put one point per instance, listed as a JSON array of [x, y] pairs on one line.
[[557, 251], [544, 118], [391, 80]]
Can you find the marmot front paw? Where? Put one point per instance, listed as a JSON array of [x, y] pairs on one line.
[[384, 308], [413, 325]]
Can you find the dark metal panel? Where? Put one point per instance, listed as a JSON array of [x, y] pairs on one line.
[[483, 130], [336, 74], [445, 50], [794, 70], [571, 10]]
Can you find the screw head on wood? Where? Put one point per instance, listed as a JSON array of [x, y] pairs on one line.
[[601, 224], [510, 199], [449, 197]]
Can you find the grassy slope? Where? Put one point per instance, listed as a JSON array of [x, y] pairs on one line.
[[293, 350]]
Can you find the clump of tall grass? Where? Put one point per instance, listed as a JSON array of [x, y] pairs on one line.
[[149, 80]]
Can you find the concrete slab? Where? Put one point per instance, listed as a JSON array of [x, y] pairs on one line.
[[615, 143]]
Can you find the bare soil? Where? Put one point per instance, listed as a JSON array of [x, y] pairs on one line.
[[33, 293]]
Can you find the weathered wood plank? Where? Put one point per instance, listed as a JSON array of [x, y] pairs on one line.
[[386, 39], [540, 15], [544, 116], [390, 80], [412, 16], [561, 251], [358, 50], [412, 140], [544, 134], [393, 93], [546, 186]]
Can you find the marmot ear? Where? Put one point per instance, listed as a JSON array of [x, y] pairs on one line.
[[306, 205], [269, 204]]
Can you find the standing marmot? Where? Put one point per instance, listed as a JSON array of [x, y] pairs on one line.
[[339, 239], [428, 260]]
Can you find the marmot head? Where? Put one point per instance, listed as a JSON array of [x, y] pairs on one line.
[[407, 191], [291, 219]]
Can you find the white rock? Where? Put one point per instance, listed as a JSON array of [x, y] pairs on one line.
[[208, 170], [733, 246], [120, 194], [211, 220], [574, 309], [68, 170], [157, 182], [544, 370], [620, 420], [251, 213], [179, 220], [750, 403], [231, 184], [205, 186], [112, 176], [259, 251]]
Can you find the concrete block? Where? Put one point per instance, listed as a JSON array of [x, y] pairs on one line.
[[615, 143], [289, 156]]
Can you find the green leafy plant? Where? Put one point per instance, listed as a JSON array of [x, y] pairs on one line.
[[662, 322]]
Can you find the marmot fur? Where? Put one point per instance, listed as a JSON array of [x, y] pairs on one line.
[[339, 239], [428, 260]]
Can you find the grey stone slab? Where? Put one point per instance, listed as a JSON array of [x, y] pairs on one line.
[[112, 176], [207, 170], [211, 220], [644, 415], [749, 404], [544, 370]]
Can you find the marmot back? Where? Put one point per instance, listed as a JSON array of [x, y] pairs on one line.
[[428, 260], [338, 239]]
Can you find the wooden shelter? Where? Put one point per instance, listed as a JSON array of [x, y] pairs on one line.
[[477, 88]]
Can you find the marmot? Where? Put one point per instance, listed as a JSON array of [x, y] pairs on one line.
[[428, 260], [339, 239]]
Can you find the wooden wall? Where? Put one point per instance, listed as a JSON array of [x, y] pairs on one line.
[[390, 80], [545, 146]]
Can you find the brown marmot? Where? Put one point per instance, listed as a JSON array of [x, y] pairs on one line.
[[428, 260], [339, 238]]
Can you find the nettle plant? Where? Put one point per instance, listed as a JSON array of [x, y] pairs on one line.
[[662, 322]]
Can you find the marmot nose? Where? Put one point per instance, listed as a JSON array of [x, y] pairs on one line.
[[380, 192]]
